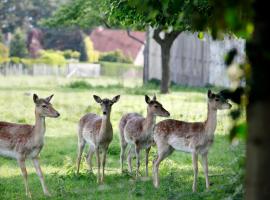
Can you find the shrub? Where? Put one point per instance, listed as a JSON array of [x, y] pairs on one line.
[[69, 54], [18, 45], [51, 57], [80, 84], [93, 56], [115, 56], [4, 52]]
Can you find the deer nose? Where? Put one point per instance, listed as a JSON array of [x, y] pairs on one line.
[[57, 114], [104, 112]]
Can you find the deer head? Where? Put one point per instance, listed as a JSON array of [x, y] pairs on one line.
[[155, 107], [217, 101], [106, 104], [44, 108]]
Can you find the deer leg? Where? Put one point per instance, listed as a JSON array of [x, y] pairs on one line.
[[146, 160], [205, 169], [98, 165], [195, 169], [40, 175], [90, 156], [163, 152], [103, 163], [137, 152], [129, 158], [21, 163], [122, 155], [81, 145]]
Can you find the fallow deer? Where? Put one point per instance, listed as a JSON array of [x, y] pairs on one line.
[[22, 141], [98, 132], [137, 131], [191, 137]]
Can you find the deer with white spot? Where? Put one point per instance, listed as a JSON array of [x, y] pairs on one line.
[[137, 132], [191, 137], [22, 141], [98, 132]]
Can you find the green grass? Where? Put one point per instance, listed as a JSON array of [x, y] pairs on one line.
[[73, 98]]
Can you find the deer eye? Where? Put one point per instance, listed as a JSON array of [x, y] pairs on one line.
[[216, 99], [156, 106], [44, 106]]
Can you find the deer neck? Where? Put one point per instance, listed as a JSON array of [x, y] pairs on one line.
[[149, 122], [39, 129], [105, 124], [211, 121]]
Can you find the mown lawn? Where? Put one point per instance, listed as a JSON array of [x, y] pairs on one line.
[[73, 98]]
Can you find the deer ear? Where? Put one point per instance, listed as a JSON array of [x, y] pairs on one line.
[[116, 98], [48, 99], [35, 98], [97, 99], [210, 94], [154, 97], [147, 99]]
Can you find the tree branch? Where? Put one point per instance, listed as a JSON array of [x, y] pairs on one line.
[[156, 36], [170, 37], [106, 23], [134, 38]]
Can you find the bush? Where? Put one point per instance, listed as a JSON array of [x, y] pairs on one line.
[[51, 57], [69, 54], [115, 56], [93, 56], [18, 45], [4, 52]]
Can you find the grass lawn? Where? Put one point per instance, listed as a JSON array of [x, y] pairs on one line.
[[73, 98]]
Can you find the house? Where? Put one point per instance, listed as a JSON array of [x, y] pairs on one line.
[[194, 61], [106, 40]]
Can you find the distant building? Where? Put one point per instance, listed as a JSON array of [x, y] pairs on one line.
[[195, 62], [106, 40]]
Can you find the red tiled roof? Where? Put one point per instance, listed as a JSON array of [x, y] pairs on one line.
[[110, 40]]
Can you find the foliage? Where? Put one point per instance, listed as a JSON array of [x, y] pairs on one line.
[[18, 45], [115, 56], [57, 38], [69, 54], [92, 55], [231, 16], [1, 37], [80, 13], [51, 57], [4, 53]]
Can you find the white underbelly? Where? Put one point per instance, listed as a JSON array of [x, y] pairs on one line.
[[8, 153], [88, 139], [128, 139], [180, 144]]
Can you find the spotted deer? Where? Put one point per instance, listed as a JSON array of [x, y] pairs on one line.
[[137, 131], [191, 137], [98, 132], [22, 141]]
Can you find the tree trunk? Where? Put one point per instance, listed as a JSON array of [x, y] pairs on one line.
[[165, 68], [165, 44], [258, 112]]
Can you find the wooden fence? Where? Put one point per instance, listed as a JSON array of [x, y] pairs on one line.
[[195, 62]]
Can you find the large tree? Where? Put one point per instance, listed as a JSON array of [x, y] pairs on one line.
[[168, 18], [249, 19]]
